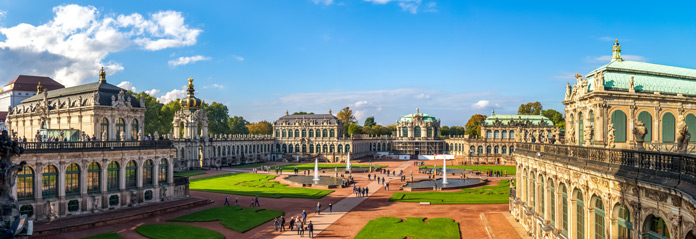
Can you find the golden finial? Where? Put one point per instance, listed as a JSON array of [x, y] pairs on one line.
[[286, 112], [329, 111], [39, 88], [102, 75], [190, 85], [616, 50]]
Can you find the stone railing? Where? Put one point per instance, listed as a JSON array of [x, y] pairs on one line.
[[676, 171], [668, 147], [53, 147]]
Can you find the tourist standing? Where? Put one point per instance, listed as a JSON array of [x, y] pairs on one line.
[[304, 215], [227, 201], [310, 227], [282, 223], [299, 226], [318, 208], [330, 208], [256, 201], [275, 223], [292, 223], [236, 201]]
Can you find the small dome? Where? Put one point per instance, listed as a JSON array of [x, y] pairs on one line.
[[190, 102], [409, 117]]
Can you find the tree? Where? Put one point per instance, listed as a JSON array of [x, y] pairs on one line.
[[262, 127], [346, 116], [237, 125], [217, 118], [444, 131], [556, 117], [473, 126], [303, 113], [354, 129], [153, 110], [370, 121], [456, 130], [167, 116], [530, 108]]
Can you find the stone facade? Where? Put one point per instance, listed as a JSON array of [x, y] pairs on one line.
[[418, 134]]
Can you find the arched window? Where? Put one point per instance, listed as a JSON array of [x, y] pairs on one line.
[[496, 134], [512, 150], [668, 128], [581, 128], [504, 135], [147, 173], [488, 149], [278, 133], [112, 179], [285, 148], [104, 128], [472, 150], [304, 148], [579, 215], [480, 149], [304, 133], [598, 218], [163, 171], [417, 132], [311, 148], [290, 134], [624, 222], [504, 151], [512, 134], [25, 183], [331, 148], [564, 207], [94, 177], [496, 150], [332, 133], [120, 127], [285, 133], [325, 149], [340, 148], [618, 119], [134, 129], [72, 179], [325, 133], [311, 133], [691, 126], [297, 148], [347, 148], [489, 134], [542, 200], [552, 203], [657, 228], [49, 178], [297, 133], [429, 132], [131, 174], [404, 132]]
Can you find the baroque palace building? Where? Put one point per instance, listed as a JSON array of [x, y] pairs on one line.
[[624, 171]]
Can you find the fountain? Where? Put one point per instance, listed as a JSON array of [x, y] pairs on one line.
[[443, 183], [316, 171], [444, 171], [348, 163]]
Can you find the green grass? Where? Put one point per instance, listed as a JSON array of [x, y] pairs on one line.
[[511, 170], [189, 173], [176, 231], [233, 217], [251, 165], [108, 235], [482, 195], [413, 227], [249, 184], [327, 166]]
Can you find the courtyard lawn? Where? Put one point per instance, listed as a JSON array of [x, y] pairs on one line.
[[249, 184], [108, 235], [233, 217], [413, 227], [511, 170], [482, 195], [251, 165], [177, 231], [189, 173], [327, 166]]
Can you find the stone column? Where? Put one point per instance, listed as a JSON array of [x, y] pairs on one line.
[[61, 188], [128, 129], [155, 175], [104, 184], [38, 191], [84, 171]]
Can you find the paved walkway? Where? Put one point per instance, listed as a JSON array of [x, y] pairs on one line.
[[325, 219]]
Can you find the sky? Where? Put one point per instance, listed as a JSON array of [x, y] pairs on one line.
[[382, 58]]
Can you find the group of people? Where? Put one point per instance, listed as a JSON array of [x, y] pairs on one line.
[[496, 173], [360, 191], [298, 223]]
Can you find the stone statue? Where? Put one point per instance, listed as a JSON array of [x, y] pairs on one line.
[[37, 136], [62, 136], [95, 98], [156, 135], [588, 133], [9, 209], [163, 193], [133, 198], [599, 81], [582, 84], [122, 134], [631, 87], [51, 212], [95, 204], [571, 134], [611, 138], [639, 132], [105, 136], [568, 91], [683, 135]]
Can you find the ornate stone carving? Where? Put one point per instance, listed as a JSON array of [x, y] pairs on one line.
[[568, 91], [639, 132], [631, 87], [655, 195], [683, 135], [611, 138], [676, 200], [589, 132]]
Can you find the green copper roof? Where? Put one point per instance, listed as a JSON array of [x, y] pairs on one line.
[[506, 119], [409, 118], [647, 77]]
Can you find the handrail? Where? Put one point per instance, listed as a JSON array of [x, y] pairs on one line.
[[49, 147]]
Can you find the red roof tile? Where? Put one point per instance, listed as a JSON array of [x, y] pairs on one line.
[[29, 83]]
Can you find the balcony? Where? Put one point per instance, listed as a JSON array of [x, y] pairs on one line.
[[55, 147]]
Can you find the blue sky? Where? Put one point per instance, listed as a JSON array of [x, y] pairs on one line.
[[384, 58]]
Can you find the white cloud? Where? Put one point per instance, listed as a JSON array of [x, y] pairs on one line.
[[185, 60], [607, 58], [127, 85], [606, 38], [406, 5], [2, 13], [152, 92], [325, 2], [238, 58], [431, 7], [72, 46], [171, 96], [481, 104]]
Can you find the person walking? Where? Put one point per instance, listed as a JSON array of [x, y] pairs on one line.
[[275, 223], [292, 223], [304, 216], [310, 228], [282, 223], [236, 201], [256, 201], [227, 201], [302, 229], [318, 208], [299, 226], [252, 203]]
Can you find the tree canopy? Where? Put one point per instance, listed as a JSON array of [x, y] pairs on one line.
[[473, 126], [556, 117], [237, 125], [531, 108], [217, 118], [261, 127], [370, 121]]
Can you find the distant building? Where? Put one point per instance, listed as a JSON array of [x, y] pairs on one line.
[[21, 88]]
